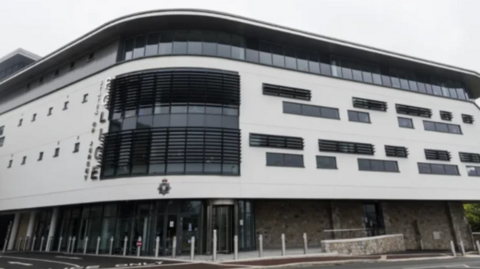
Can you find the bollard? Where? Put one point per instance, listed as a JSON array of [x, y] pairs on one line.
[[174, 247], [260, 246], [60, 244], [214, 245], [85, 245], [41, 243], [157, 245], [452, 247], [20, 241], [283, 244], [421, 244], [139, 246], [5, 244], [235, 247], [478, 247], [192, 248], [73, 244], [25, 246], [305, 244], [33, 243], [125, 246], [49, 242], [98, 245], [111, 246], [462, 248], [69, 244]]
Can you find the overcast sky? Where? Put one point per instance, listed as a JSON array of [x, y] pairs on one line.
[[445, 31]]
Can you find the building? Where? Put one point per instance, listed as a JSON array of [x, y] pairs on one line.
[[175, 123]]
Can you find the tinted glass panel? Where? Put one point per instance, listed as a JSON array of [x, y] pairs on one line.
[[210, 41], [311, 110], [277, 53], [326, 162], [139, 49], [265, 54], [331, 113], [152, 44], [293, 160], [180, 44], [292, 108], [274, 159], [195, 42], [224, 48], [166, 43]]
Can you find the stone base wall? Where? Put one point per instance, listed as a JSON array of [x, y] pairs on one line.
[[366, 246]]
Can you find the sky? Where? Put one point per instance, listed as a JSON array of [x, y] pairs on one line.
[[444, 31]]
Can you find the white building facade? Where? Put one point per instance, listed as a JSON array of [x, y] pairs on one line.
[[175, 123]]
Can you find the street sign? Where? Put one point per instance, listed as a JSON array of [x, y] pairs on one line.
[[139, 243]]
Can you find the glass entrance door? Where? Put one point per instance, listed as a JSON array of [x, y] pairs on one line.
[[222, 220]]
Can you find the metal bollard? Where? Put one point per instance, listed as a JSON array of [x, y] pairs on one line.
[[192, 248], [73, 244], [111, 246], [260, 246], [20, 241], [305, 244], [478, 247], [25, 246], [49, 243], [235, 247], [69, 244], [174, 247], [214, 250], [283, 244], [33, 243], [125, 246], [139, 246], [41, 243], [157, 246], [85, 245], [60, 244], [98, 245], [462, 248], [452, 247]]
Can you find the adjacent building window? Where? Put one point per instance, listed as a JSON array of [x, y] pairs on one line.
[[437, 169], [288, 92], [309, 110], [65, 105], [85, 98], [414, 111], [72, 66], [275, 141], [34, 116], [77, 147], [40, 81], [396, 151], [24, 160], [377, 165], [50, 111], [440, 155], [2, 128], [285, 160], [369, 104], [40, 156], [358, 116], [468, 118], [90, 56], [20, 122], [445, 115], [346, 147], [405, 123], [2, 140], [466, 157], [56, 73], [473, 171], [326, 162], [442, 127], [10, 163], [57, 152]]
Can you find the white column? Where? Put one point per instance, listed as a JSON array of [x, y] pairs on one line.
[[31, 224], [13, 232], [53, 227]]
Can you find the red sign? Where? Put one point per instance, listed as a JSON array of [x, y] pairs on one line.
[[139, 243]]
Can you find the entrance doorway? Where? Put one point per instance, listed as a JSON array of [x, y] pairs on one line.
[[222, 221]]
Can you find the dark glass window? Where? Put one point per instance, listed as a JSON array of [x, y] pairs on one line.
[[166, 43], [313, 62], [358, 116], [265, 53], [2, 140], [129, 48], [20, 122], [2, 128], [76, 148], [285, 160], [442, 127], [437, 169], [34, 116], [195, 42], [377, 165], [302, 60], [152, 44], [277, 56], [10, 163], [290, 58], [326, 162], [224, 48], [40, 156], [139, 50], [473, 171], [57, 152], [180, 42], [129, 123], [144, 122], [238, 45], [24, 160], [309, 110], [65, 105], [292, 108], [252, 53]]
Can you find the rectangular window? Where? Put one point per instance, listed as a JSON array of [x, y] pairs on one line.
[[469, 157], [24, 160], [346, 147], [2, 140], [445, 115], [50, 111], [85, 98], [285, 160], [440, 155], [275, 141], [90, 56], [65, 105], [442, 127], [377, 165], [20, 122], [309, 110], [468, 118], [77, 147], [34, 116], [405, 122], [57, 152], [414, 111], [358, 116], [40, 156], [288, 92], [438, 169], [2, 128], [369, 104], [72, 66], [10, 163], [326, 162], [473, 171], [395, 151]]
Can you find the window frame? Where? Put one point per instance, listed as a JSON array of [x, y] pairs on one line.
[[76, 147], [357, 113], [359, 160], [334, 158], [403, 118], [318, 108], [447, 125], [437, 164], [477, 171], [57, 152], [283, 155]]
